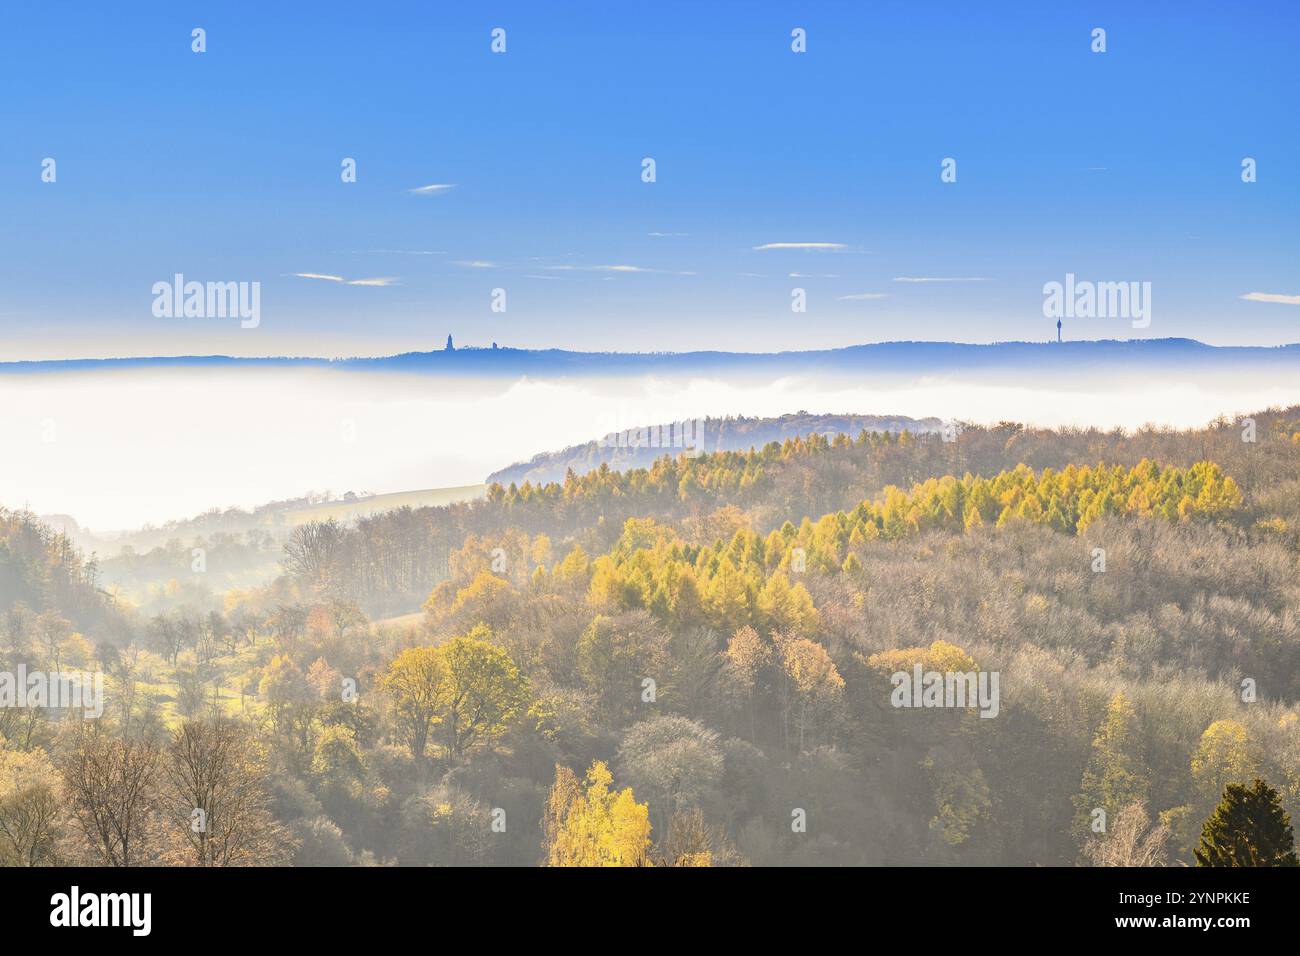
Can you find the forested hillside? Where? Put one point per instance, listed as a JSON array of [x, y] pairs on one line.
[[641, 447], [388, 562], [697, 663], [43, 571]]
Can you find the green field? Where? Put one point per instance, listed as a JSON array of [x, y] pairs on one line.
[[349, 510], [221, 685]]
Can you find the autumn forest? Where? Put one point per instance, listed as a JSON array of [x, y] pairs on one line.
[[703, 662]]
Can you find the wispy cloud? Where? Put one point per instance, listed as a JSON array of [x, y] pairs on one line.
[[475, 264], [624, 269], [377, 281], [432, 189], [615, 268], [668, 235], [915, 279], [402, 252], [316, 275], [813, 246], [862, 296], [809, 275], [1272, 297]]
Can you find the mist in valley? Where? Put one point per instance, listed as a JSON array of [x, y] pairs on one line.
[[116, 450]]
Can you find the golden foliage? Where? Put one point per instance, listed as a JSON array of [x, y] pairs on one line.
[[592, 825]]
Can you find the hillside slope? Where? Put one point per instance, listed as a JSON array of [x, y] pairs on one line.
[[640, 447]]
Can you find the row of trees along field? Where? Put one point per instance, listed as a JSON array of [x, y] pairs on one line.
[[691, 664]]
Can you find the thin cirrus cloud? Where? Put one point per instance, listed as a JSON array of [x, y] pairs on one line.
[[432, 189], [808, 246], [402, 252], [618, 268], [862, 296], [921, 279], [622, 269], [378, 281], [474, 264], [1272, 297]]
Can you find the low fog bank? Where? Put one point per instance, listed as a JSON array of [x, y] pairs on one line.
[[117, 450]]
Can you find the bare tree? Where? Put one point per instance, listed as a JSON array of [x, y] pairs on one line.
[[108, 782], [313, 551], [166, 637], [1128, 843], [213, 794]]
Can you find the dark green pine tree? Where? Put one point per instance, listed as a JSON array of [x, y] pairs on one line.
[[1248, 828]]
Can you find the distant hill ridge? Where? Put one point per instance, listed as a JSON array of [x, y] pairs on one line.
[[880, 357], [639, 447], [272, 521]]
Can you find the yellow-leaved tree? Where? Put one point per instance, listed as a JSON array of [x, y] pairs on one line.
[[811, 688], [414, 684], [468, 687], [1224, 755], [591, 825]]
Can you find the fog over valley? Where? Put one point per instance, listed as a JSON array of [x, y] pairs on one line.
[[198, 438]]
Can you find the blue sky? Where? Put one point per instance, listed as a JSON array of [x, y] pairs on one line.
[[225, 166]]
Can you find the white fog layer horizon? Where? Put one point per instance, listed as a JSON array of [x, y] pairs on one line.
[[116, 451]]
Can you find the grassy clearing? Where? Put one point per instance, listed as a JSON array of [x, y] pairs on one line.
[[162, 683], [350, 510]]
